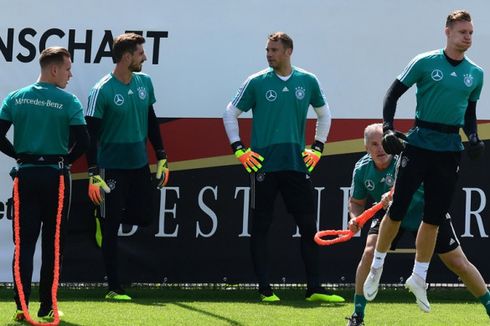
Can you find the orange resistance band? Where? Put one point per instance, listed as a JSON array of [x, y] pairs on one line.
[[345, 235], [18, 282]]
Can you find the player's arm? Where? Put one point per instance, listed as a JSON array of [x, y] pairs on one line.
[[475, 145], [392, 143], [312, 156], [95, 180], [5, 145], [80, 142], [155, 138], [249, 159], [356, 207]]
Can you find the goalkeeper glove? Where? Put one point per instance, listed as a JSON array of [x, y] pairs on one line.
[[393, 141], [249, 159], [475, 147], [312, 156], [95, 182], [162, 169]]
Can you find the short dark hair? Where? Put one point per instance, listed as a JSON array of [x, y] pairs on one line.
[[125, 43], [457, 16], [283, 38], [53, 55]]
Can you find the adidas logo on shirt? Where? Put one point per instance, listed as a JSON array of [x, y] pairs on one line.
[[130, 92], [452, 241], [454, 74], [285, 89]]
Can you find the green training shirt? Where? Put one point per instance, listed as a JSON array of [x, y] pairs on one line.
[[443, 92], [42, 115], [370, 182], [279, 115], [123, 109]]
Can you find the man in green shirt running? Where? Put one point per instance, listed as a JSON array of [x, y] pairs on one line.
[[120, 119], [279, 98], [44, 117], [448, 86], [373, 177]]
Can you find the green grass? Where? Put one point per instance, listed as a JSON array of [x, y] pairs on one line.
[[170, 306]]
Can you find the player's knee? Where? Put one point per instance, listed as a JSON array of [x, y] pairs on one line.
[[367, 255], [459, 265]]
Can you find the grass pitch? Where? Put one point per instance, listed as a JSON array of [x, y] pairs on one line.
[[171, 306]]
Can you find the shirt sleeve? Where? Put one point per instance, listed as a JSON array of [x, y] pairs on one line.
[[76, 116], [244, 99], [412, 72], [96, 103], [151, 91], [358, 191], [5, 112], [475, 95], [318, 98]]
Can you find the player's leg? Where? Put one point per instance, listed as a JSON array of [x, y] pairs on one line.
[[30, 226], [142, 198], [49, 198], [439, 184], [452, 255], [409, 177], [297, 191], [263, 194], [362, 272], [111, 211]]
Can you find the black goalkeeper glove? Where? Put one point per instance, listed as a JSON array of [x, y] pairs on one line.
[[475, 147], [393, 141]]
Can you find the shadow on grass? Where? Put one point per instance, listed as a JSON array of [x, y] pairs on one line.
[[209, 314]]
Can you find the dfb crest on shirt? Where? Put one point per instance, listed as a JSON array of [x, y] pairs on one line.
[[468, 80], [300, 92], [389, 180], [142, 92], [369, 184]]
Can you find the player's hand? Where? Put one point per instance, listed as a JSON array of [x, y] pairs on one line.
[[386, 199], [163, 173], [475, 147], [393, 141], [353, 225], [249, 159], [95, 183], [312, 156]]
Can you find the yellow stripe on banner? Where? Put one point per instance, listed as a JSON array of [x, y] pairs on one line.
[[331, 148]]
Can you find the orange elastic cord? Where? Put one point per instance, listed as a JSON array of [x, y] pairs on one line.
[[56, 272], [345, 235]]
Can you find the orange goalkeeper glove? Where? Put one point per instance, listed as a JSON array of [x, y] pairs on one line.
[[249, 159], [312, 156], [95, 183]]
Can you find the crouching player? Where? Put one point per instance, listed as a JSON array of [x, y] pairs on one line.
[[373, 177]]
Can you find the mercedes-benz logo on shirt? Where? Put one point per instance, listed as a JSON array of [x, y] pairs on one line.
[[436, 74], [118, 99], [271, 95], [369, 184]]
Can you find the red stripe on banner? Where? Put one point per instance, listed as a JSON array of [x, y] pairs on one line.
[[197, 138]]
